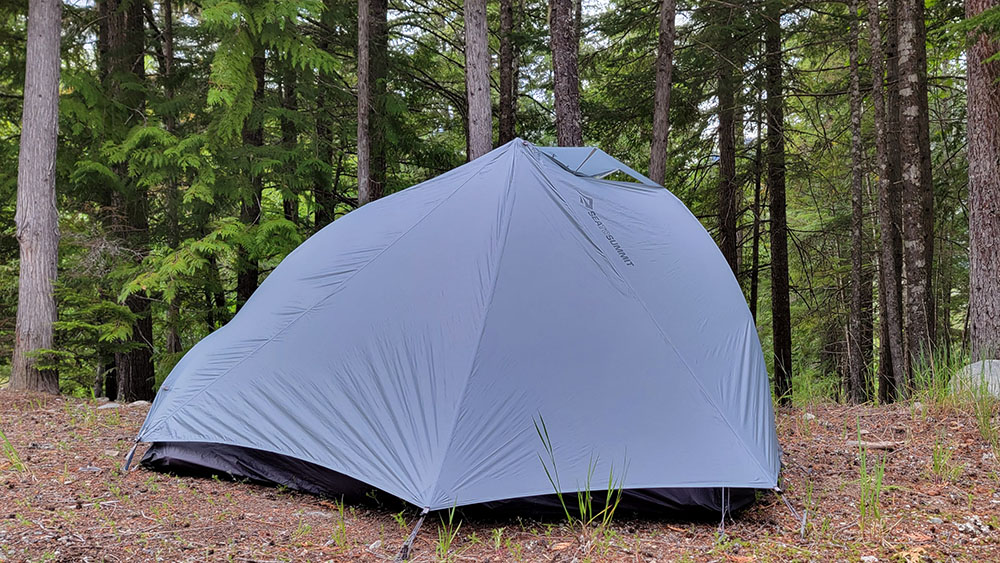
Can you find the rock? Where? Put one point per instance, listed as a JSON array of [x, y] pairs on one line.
[[139, 404], [103, 399], [375, 545], [809, 416], [111, 453], [318, 514], [40, 446], [90, 469], [936, 520], [869, 559], [975, 375], [973, 525], [109, 406]]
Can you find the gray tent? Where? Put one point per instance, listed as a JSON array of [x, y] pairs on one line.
[[419, 345]]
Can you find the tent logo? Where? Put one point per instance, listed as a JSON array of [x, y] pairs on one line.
[[588, 202]]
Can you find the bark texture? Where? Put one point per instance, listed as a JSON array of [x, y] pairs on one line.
[[508, 74], [126, 44], [917, 189], [36, 219], [893, 380], [728, 197], [372, 60], [563, 23], [859, 335], [248, 274], [661, 95], [984, 190], [477, 79], [781, 316]]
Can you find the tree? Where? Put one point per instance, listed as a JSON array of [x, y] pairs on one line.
[[566, 80], [508, 74], [372, 60], [893, 378], [248, 273], [984, 187], [781, 316], [917, 190], [125, 40], [726, 111], [661, 94], [859, 335], [477, 79], [36, 218]]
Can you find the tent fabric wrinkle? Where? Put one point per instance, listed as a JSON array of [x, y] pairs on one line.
[[414, 345]]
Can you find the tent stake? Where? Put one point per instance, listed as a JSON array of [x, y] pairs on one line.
[[404, 552], [128, 457], [800, 519]]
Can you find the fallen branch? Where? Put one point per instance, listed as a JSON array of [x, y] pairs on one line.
[[874, 445]]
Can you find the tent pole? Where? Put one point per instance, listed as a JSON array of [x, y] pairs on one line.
[[404, 552]]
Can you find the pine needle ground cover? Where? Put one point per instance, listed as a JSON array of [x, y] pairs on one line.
[[937, 498]]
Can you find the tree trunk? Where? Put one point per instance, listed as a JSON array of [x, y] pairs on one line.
[[917, 189], [893, 378], [323, 195], [984, 189], [126, 73], [565, 51], [859, 345], [36, 218], [372, 61], [758, 166], [477, 79], [289, 138], [248, 274], [173, 197], [661, 95], [728, 202], [780, 306], [508, 73]]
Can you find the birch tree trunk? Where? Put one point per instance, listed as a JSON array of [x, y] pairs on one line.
[[917, 189], [893, 380], [859, 342], [36, 219], [565, 51], [984, 190], [477, 79], [781, 316], [508, 82], [661, 95]]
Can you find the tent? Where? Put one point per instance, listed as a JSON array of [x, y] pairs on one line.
[[510, 328]]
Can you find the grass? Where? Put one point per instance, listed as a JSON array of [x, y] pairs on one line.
[[941, 461], [870, 481], [11, 453], [447, 532], [588, 512]]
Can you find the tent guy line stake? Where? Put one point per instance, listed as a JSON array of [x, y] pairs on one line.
[[404, 552], [128, 457], [795, 514]]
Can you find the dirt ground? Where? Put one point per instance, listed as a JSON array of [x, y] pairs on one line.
[[63, 498]]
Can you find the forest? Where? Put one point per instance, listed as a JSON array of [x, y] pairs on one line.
[[843, 154]]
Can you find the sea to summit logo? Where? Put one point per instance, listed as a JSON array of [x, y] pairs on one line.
[[588, 202]]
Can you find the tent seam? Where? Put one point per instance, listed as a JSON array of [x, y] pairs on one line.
[[319, 302], [708, 397], [482, 330]]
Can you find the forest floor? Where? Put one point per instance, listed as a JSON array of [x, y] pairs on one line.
[[63, 498]]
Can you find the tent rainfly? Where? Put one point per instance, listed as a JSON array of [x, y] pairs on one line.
[[497, 333]]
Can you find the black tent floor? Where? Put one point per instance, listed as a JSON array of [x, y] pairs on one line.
[[240, 463]]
